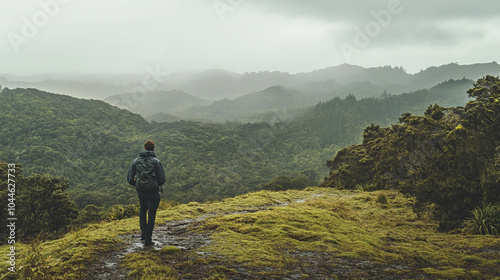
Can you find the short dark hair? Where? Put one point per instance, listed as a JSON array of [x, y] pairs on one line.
[[149, 145]]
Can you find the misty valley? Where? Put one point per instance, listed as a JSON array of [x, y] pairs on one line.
[[344, 172]]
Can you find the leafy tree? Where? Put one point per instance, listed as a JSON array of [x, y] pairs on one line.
[[45, 205], [447, 159], [42, 204], [485, 88]]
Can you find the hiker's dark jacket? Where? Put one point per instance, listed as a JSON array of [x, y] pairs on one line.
[[160, 173]]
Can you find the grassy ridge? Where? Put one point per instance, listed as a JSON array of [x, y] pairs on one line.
[[353, 234], [379, 227]]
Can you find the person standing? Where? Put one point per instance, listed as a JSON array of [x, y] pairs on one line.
[[147, 175]]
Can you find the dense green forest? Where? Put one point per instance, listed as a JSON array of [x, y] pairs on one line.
[[92, 143], [448, 159]]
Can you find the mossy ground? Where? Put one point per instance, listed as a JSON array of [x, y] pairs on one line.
[[306, 234], [379, 227]]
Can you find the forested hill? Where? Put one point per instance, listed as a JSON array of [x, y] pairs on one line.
[[290, 103], [448, 159], [341, 121], [93, 143], [87, 141], [54, 133], [151, 103]]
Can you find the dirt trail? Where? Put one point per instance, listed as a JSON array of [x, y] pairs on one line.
[[180, 234], [183, 234]]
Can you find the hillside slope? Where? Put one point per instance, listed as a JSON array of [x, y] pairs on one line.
[[341, 121], [288, 103], [151, 103], [87, 141], [380, 82], [310, 234]]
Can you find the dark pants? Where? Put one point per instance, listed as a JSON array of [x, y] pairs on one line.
[[149, 203]]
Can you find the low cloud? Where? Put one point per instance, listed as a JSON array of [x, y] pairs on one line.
[[245, 35]]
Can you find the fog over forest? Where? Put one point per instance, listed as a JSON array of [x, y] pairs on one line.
[[299, 139]]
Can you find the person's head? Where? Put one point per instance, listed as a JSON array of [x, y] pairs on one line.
[[149, 145]]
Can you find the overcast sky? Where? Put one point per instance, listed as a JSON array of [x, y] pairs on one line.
[[127, 36]]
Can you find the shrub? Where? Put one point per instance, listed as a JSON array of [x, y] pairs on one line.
[[119, 212], [485, 220]]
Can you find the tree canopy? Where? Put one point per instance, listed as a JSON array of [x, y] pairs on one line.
[[42, 204], [447, 159]]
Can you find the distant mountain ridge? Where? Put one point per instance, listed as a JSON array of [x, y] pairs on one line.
[[223, 84], [157, 102], [287, 103], [78, 89], [219, 84], [307, 89]]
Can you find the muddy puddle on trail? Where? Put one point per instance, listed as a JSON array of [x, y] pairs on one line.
[[180, 234]]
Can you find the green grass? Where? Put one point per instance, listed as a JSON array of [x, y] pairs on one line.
[[453, 273], [148, 266], [378, 226], [353, 226]]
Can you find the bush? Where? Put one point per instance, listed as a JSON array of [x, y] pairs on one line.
[[485, 220], [119, 212]]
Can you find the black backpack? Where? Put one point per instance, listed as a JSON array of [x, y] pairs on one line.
[[145, 174]]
